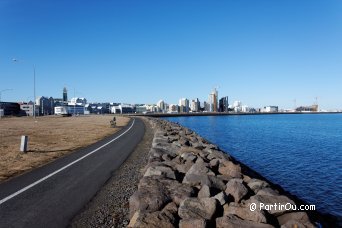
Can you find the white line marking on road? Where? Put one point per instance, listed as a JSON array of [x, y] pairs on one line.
[[61, 169]]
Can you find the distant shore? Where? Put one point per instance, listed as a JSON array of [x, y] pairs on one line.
[[222, 114]]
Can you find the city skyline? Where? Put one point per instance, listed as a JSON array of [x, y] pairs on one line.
[[263, 53]]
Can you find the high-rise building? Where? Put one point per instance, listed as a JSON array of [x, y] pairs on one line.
[[161, 106], [213, 101], [223, 104], [44, 106], [65, 95], [183, 105], [195, 105]]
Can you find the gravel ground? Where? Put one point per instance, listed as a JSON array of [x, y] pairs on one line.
[[110, 208]]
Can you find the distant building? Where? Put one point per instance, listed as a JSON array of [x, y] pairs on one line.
[[65, 95], [45, 106], [195, 105], [10, 108], [70, 110], [213, 101], [245, 108], [78, 101], [270, 109], [173, 108], [122, 109], [223, 104], [312, 108], [140, 109], [161, 106], [27, 107], [184, 105]]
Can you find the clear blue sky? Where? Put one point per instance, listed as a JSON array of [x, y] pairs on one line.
[[260, 52]]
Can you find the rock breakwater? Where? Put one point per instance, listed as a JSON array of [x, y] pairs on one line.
[[189, 182]]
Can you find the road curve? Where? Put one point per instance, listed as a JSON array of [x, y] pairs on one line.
[[50, 196]]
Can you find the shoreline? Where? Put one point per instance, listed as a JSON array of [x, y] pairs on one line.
[[225, 114], [161, 167]]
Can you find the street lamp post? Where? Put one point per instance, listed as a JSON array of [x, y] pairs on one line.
[[1, 91], [34, 88]]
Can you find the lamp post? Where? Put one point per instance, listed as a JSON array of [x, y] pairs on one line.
[[1, 91], [34, 88]]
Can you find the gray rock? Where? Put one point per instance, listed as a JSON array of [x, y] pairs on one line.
[[300, 217], [193, 223], [204, 192], [160, 171], [214, 163], [256, 185], [275, 205], [222, 198], [217, 183], [237, 189], [184, 168], [233, 221], [191, 208], [149, 198], [178, 191], [197, 145], [268, 191], [164, 218], [196, 180], [199, 168], [244, 212], [189, 156], [228, 168]]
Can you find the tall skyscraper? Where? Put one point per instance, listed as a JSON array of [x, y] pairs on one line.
[[161, 106], [65, 95], [195, 105], [213, 101], [183, 105], [223, 104]]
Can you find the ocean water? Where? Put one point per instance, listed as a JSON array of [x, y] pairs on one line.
[[300, 152]]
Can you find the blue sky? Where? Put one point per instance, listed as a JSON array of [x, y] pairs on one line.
[[260, 52]]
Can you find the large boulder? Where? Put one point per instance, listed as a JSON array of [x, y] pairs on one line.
[[150, 197], [178, 191], [193, 223], [275, 205], [298, 218], [244, 212], [236, 188], [256, 185], [233, 221], [222, 198], [164, 171], [191, 208], [228, 168], [204, 192], [165, 218]]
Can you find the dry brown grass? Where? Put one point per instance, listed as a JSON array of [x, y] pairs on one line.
[[49, 138]]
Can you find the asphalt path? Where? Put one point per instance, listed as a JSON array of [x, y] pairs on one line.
[[50, 196]]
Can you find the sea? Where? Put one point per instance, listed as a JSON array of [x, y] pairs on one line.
[[300, 152]]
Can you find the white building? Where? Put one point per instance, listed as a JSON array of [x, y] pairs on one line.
[[122, 109], [213, 101], [70, 110], [161, 106], [27, 108], [195, 105], [184, 105], [245, 108], [173, 108], [270, 109], [78, 101]]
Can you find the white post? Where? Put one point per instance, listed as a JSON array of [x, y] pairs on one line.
[[23, 144]]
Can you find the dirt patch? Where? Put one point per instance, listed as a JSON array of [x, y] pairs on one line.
[[50, 137]]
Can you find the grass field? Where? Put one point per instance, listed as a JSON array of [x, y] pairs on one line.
[[50, 137]]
